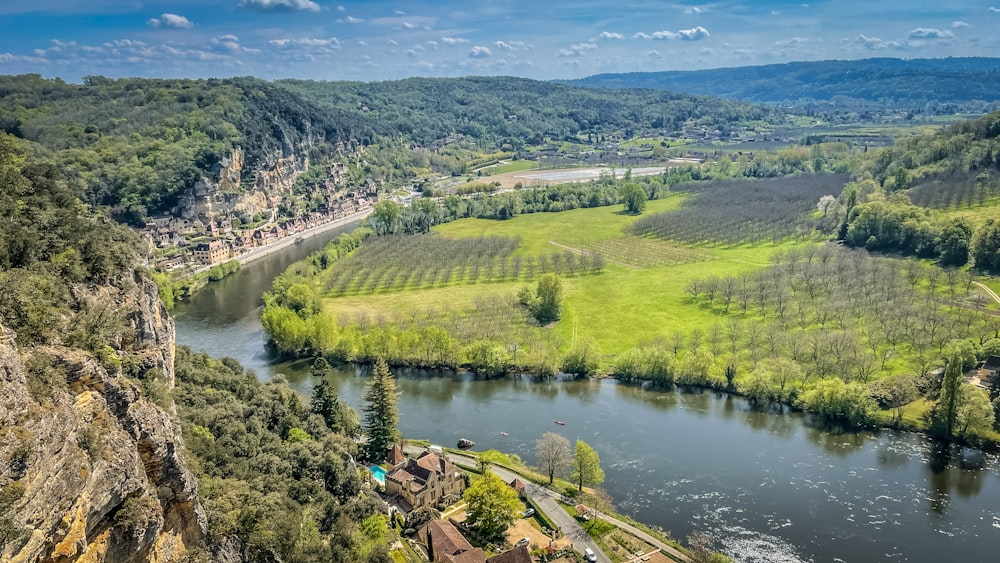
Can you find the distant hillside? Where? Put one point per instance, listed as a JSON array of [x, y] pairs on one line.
[[519, 110], [140, 145], [899, 83]]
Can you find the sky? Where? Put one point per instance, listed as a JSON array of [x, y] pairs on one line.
[[543, 39]]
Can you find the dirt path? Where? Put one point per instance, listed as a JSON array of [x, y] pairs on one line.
[[988, 291], [589, 253]]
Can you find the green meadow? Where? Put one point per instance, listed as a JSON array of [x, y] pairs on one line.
[[616, 309]]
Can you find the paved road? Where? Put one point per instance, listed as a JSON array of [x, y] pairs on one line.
[[569, 526], [540, 495]]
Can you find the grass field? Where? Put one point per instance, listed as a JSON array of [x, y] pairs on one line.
[[617, 308], [511, 166]]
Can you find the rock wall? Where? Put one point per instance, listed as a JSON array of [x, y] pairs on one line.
[[90, 470], [227, 195]]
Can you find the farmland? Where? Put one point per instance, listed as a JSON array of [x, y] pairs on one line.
[[641, 285]]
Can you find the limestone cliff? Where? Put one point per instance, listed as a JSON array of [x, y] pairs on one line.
[[90, 469]]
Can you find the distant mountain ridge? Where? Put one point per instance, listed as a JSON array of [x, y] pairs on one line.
[[902, 83]]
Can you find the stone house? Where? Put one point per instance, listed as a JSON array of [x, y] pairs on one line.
[[211, 252], [425, 481]]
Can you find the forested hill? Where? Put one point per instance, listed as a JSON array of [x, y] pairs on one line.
[[137, 144], [519, 110], [899, 83]]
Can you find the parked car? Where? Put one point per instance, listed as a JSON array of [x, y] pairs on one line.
[[589, 554], [523, 541], [529, 513]]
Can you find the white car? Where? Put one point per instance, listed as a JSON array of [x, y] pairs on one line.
[[589, 554], [522, 541]]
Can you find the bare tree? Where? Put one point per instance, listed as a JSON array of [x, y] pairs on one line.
[[553, 453]]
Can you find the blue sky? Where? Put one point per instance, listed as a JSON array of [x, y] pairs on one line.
[[377, 40]]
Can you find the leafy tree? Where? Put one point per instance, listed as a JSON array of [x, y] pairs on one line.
[[338, 416], [586, 466], [385, 217], [986, 247], [633, 197], [833, 398], [286, 329], [974, 413], [552, 451], [951, 394], [493, 505], [953, 241], [895, 393], [381, 413], [549, 293]]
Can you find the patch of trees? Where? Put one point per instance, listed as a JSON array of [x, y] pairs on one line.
[[736, 212], [273, 473], [895, 225], [135, 145], [957, 165], [513, 112], [834, 331], [219, 271], [47, 245], [873, 83], [393, 263]]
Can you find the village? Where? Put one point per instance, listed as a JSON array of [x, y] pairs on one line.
[[422, 490], [193, 244]]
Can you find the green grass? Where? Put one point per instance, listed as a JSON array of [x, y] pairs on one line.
[[976, 215], [512, 166], [616, 309]]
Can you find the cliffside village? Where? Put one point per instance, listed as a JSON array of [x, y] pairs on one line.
[[215, 241]]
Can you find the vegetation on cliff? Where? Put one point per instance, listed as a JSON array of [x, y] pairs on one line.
[[136, 145]]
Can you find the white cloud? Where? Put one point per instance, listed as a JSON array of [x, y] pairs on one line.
[[331, 42], [280, 5], [611, 35], [930, 33], [993, 9], [362, 43], [641, 35], [350, 19], [959, 25], [653, 54], [170, 20], [409, 25], [576, 50], [874, 43], [793, 42], [454, 40], [480, 52], [341, 8], [392, 42], [693, 10], [400, 13], [513, 46], [693, 34]]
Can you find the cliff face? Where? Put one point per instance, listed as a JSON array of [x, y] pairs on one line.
[[90, 470]]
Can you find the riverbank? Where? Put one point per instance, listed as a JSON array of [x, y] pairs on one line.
[[269, 249]]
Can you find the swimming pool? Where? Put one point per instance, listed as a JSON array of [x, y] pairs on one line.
[[378, 473]]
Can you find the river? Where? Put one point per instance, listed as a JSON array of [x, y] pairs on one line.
[[765, 486]]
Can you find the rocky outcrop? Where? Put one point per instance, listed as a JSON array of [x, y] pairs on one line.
[[90, 469], [228, 195]]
